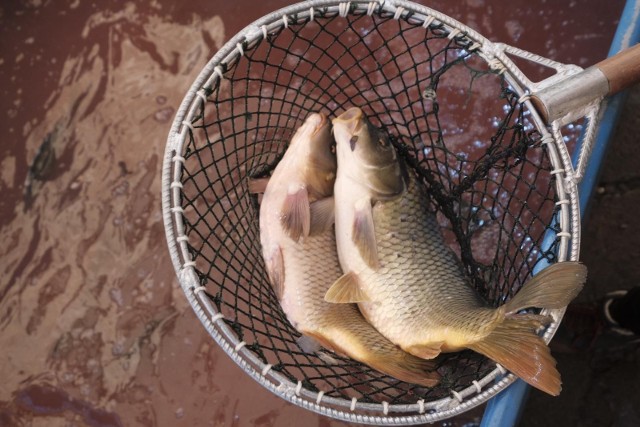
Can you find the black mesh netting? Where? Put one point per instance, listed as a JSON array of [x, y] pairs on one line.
[[457, 123]]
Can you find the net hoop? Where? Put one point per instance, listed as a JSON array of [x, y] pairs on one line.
[[497, 55]]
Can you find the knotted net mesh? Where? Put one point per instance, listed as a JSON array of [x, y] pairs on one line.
[[455, 120]]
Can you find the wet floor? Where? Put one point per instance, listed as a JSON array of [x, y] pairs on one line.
[[94, 329]]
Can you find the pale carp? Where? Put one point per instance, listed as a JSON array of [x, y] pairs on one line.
[[410, 285], [299, 249]]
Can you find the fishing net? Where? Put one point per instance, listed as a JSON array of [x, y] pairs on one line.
[[459, 114]]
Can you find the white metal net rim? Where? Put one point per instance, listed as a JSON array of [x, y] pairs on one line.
[[496, 56]]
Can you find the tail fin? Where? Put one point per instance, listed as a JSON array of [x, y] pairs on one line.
[[404, 367], [554, 287], [515, 345]]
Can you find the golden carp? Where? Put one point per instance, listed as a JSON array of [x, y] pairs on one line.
[[409, 284], [298, 244]]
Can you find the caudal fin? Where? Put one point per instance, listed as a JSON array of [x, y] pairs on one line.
[[554, 287], [404, 367], [515, 345]]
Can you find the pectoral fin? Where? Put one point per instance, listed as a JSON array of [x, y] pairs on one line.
[[308, 344], [258, 185], [324, 341], [322, 215], [296, 213], [363, 233], [425, 351], [347, 289]]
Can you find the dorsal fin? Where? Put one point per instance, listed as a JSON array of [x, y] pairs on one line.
[[275, 270]]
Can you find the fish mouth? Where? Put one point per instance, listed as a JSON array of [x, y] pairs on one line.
[[351, 119], [321, 122]]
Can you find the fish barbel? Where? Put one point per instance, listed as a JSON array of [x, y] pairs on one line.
[[298, 244], [410, 285]]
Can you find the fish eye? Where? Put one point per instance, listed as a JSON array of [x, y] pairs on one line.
[[383, 142]]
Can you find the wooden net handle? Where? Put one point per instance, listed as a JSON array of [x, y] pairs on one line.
[[622, 70]]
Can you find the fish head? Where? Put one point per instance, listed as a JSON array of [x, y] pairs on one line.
[[367, 155], [316, 146]]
